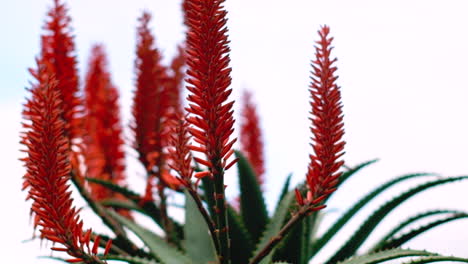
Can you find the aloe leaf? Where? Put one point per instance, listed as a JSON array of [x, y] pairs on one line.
[[147, 208], [115, 188], [295, 245], [130, 259], [285, 189], [400, 240], [253, 209], [157, 246], [242, 245], [198, 242], [122, 204], [408, 222], [348, 173], [385, 255], [433, 259], [350, 247], [275, 225], [325, 238]]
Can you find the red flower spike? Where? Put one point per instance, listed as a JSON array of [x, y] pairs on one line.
[[58, 50], [209, 79], [251, 136], [48, 168], [150, 103], [327, 121], [103, 141]]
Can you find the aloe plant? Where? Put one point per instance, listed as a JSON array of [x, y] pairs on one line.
[[185, 152]]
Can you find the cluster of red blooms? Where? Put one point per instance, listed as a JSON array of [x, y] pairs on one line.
[[60, 126]]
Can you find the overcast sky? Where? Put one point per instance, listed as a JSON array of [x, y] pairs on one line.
[[402, 68]]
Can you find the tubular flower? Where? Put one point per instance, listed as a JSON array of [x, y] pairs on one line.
[[58, 50], [48, 171], [150, 103], [208, 82], [251, 136], [327, 123], [104, 155]]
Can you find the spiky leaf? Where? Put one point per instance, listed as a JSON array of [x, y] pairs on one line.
[[350, 247], [285, 189], [325, 238], [295, 245], [385, 255], [352, 171], [405, 237], [158, 247], [198, 243], [130, 259], [408, 222], [242, 245], [433, 259], [253, 209], [281, 214]]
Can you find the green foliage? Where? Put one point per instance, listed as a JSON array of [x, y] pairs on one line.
[[337, 226], [280, 216], [301, 243], [356, 240], [385, 255], [198, 243], [405, 237], [242, 245], [252, 204], [408, 222], [158, 247]]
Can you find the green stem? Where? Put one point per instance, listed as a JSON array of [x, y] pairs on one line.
[[222, 227]]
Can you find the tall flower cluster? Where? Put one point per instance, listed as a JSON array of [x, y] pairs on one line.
[[48, 171], [251, 136], [327, 121], [150, 104], [103, 140], [58, 51], [211, 113], [208, 82]]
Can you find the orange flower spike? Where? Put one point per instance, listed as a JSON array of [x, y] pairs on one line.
[[58, 50], [104, 155], [327, 122], [48, 173], [251, 136]]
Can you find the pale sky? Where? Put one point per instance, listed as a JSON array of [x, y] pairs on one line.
[[402, 68]]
